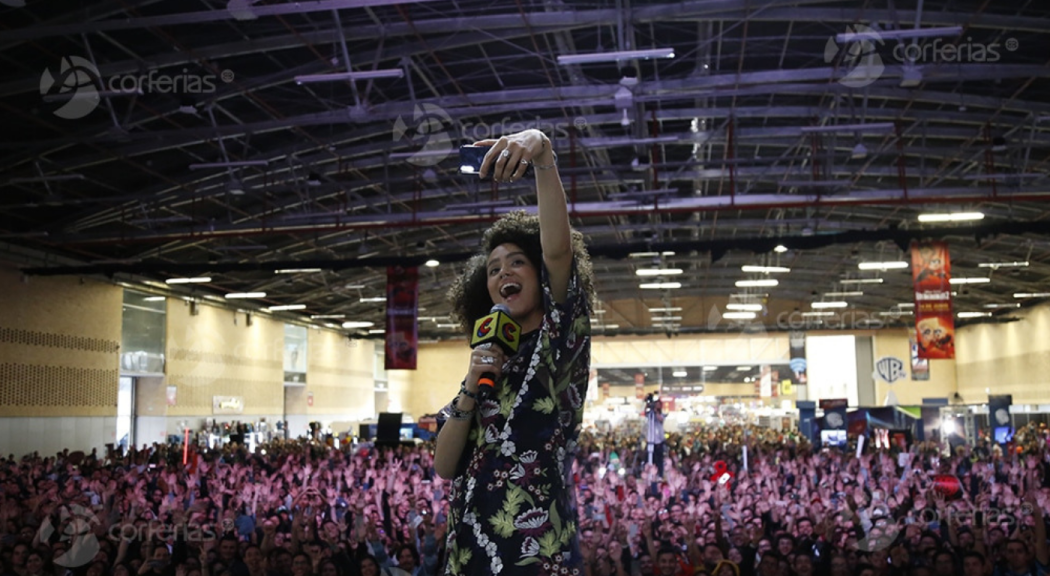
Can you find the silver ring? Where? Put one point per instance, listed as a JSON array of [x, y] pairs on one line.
[[525, 162], [505, 153], [488, 360]]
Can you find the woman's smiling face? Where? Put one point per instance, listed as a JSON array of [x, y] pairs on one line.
[[513, 280]]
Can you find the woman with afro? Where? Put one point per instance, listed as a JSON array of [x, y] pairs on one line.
[[509, 455]]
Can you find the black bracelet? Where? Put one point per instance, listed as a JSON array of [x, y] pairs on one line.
[[463, 390]]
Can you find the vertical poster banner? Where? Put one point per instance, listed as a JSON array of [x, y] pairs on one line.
[[999, 417], [797, 357], [639, 386], [833, 429], [765, 382], [402, 336], [920, 367], [931, 272]]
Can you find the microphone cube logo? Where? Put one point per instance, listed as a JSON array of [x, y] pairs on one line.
[[76, 84], [859, 55]]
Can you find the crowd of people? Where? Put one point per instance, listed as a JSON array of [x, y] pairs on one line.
[[300, 508]]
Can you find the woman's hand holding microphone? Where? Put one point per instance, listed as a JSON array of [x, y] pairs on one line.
[[486, 358]]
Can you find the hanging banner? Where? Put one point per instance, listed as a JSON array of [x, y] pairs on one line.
[[402, 336], [639, 386], [797, 357], [920, 367], [934, 326]]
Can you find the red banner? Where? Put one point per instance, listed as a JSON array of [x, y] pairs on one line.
[[402, 299], [931, 272]]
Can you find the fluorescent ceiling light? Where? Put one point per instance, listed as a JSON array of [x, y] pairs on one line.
[[895, 265], [432, 263], [660, 285], [902, 34], [744, 307], [973, 314], [358, 324], [670, 309], [997, 306], [287, 307], [765, 269], [861, 281], [897, 313], [239, 164], [679, 373], [377, 331], [906, 305], [649, 254], [323, 316], [756, 283], [742, 368], [362, 75], [609, 326], [51, 178], [155, 298], [951, 217], [815, 314], [615, 56], [969, 280], [658, 271], [710, 368], [843, 294], [374, 299], [1032, 295], [666, 318], [997, 265], [869, 127], [739, 315], [837, 304], [197, 280], [780, 249], [297, 271], [235, 295], [749, 296]]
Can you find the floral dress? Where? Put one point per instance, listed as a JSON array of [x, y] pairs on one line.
[[513, 504]]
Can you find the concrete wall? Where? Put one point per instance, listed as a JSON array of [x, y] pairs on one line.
[[59, 361], [1011, 358], [340, 379]]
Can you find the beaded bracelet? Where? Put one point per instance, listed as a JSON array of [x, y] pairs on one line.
[[457, 414], [463, 390]]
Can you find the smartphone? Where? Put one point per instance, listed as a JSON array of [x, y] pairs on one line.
[[470, 158]]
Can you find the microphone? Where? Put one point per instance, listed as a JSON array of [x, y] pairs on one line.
[[495, 328]]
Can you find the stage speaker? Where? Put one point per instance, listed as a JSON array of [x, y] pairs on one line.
[[388, 431]]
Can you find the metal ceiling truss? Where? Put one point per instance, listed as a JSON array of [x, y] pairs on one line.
[[716, 154]]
